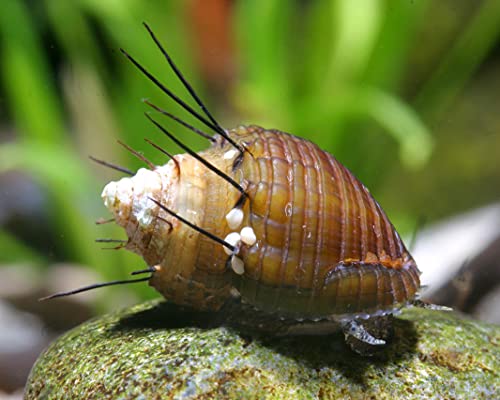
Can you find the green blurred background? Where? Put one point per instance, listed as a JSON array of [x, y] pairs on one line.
[[405, 93]]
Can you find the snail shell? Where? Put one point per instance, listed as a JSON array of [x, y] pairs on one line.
[[308, 241]]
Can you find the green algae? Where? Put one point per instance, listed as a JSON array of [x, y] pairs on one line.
[[160, 351]]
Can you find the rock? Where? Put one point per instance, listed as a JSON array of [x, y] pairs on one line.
[[158, 351]]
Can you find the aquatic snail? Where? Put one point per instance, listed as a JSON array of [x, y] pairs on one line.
[[263, 221]]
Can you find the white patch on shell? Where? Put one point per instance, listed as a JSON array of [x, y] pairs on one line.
[[248, 236], [229, 155], [109, 194], [132, 195], [237, 265], [146, 184], [234, 218]]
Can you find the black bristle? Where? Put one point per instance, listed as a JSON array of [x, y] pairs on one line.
[[138, 155], [195, 227], [112, 166], [91, 287], [180, 121], [170, 94], [106, 240], [164, 152]]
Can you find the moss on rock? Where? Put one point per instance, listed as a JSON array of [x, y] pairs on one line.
[[160, 351]]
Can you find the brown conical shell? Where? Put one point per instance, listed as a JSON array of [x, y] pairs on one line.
[[316, 243]]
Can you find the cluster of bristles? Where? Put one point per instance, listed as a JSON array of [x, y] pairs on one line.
[[234, 240]]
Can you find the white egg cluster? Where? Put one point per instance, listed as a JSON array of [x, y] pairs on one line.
[[246, 236]]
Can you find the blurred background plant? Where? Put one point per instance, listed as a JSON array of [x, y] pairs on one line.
[[405, 93]]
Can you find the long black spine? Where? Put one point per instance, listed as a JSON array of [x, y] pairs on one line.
[[195, 227], [191, 91], [112, 166], [170, 94], [180, 121], [94, 286], [211, 167]]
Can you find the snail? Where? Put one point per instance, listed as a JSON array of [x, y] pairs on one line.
[[264, 223]]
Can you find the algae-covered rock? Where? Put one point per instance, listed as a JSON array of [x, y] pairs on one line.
[[159, 351]]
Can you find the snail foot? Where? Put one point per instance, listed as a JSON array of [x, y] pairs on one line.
[[358, 331]]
